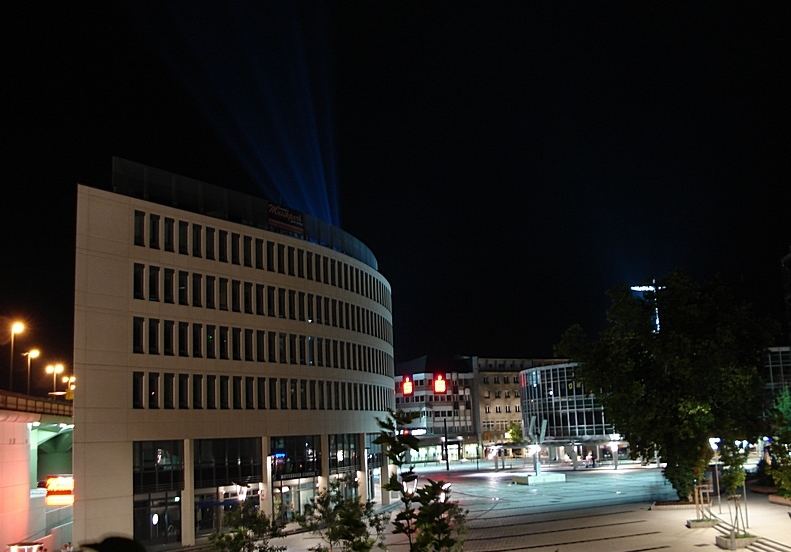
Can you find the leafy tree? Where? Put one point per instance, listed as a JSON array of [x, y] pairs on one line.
[[780, 468], [514, 433], [249, 530], [429, 519], [732, 480], [343, 523], [671, 390]]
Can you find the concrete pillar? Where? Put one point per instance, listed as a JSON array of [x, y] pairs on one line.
[[188, 496], [266, 478], [324, 474], [362, 473], [384, 479]]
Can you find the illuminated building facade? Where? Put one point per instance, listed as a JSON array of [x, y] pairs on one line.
[[570, 414], [226, 348]]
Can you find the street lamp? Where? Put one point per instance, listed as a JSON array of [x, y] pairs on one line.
[[70, 386], [714, 444], [54, 369], [16, 328], [31, 354]]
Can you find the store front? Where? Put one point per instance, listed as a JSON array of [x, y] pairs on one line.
[[296, 465]]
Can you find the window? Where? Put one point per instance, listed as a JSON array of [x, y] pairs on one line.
[[153, 283], [153, 336], [223, 246], [248, 345], [183, 329], [210, 337], [234, 248], [292, 300], [210, 243], [248, 393], [303, 394], [496, 379], [281, 258], [183, 235], [259, 299], [224, 392], [209, 292], [138, 277], [260, 340], [196, 289], [211, 392], [301, 305], [281, 347], [248, 251], [488, 409], [167, 338], [169, 276], [167, 392], [235, 285], [197, 391], [153, 390], [508, 408], [273, 402], [224, 294], [497, 394], [270, 256], [300, 263], [236, 392], [248, 298], [498, 409], [309, 265], [197, 340], [281, 303], [270, 341], [137, 335], [259, 253], [183, 277], [169, 230], [321, 395], [260, 389], [196, 240], [224, 342], [292, 348], [140, 228], [153, 231], [270, 301], [137, 389], [290, 252], [183, 391]]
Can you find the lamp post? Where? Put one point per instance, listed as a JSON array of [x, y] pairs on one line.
[[31, 354], [71, 385], [54, 369], [16, 328], [714, 444]]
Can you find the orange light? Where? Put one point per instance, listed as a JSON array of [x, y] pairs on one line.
[[60, 484], [440, 386], [59, 500], [407, 388]]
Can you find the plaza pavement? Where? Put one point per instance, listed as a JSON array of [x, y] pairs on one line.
[[596, 509]]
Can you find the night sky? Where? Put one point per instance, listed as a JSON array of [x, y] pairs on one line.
[[507, 163]]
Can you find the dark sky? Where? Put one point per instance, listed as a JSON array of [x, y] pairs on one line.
[[506, 162]]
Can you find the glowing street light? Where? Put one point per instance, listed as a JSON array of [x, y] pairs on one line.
[[31, 354], [71, 385], [54, 369], [16, 328]]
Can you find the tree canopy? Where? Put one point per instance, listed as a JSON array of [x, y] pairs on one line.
[[672, 389]]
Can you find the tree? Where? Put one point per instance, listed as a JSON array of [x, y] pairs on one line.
[[698, 377], [514, 433], [780, 430], [732, 480], [429, 519], [249, 530], [343, 523]]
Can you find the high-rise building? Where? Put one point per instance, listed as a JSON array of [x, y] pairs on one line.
[[226, 347]]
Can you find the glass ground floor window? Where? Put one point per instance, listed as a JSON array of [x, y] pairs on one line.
[[290, 496], [157, 518], [211, 505]]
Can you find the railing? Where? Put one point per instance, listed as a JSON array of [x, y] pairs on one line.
[[25, 403]]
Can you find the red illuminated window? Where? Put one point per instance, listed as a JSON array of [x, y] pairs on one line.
[[407, 387], [440, 386]]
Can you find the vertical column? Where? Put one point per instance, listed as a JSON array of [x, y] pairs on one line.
[[265, 495], [362, 473], [324, 477], [188, 496], [384, 478]]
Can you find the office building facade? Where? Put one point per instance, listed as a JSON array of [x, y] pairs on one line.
[[226, 348]]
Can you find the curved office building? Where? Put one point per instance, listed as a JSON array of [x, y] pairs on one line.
[[225, 347]]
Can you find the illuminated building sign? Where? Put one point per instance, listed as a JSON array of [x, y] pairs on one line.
[[440, 386], [282, 218], [60, 490], [407, 387]]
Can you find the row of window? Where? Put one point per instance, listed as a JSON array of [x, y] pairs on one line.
[[496, 379], [498, 394], [499, 409], [223, 246], [154, 390], [212, 292], [197, 340]]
